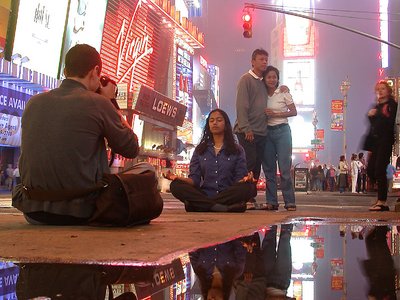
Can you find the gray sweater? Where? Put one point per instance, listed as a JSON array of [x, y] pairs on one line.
[[63, 146], [251, 100]]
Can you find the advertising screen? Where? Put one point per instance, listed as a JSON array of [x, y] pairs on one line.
[[184, 80], [299, 76], [84, 25], [39, 32]]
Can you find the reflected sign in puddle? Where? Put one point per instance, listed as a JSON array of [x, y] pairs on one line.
[[306, 259]]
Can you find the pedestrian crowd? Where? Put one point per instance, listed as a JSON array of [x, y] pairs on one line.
[[9, 177], [346, 176]]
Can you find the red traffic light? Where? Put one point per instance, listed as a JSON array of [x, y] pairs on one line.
[[247, 25]]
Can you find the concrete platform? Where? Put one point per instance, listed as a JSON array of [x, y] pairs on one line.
[[174, 233]]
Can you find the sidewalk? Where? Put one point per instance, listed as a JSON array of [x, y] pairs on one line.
[[174, 233], [4, 193]]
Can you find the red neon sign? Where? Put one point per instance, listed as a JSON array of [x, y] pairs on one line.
[[135, 45]]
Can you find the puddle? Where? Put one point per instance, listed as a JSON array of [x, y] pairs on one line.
[[310, 258]]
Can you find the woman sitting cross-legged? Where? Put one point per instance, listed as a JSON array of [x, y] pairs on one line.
[[218, 178]]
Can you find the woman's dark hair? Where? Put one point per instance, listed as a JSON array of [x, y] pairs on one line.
[[342, 158], [273, 69], [207, 137]]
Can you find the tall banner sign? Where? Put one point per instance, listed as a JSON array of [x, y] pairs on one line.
[[337, 274], [184, 80], [337, 115], [320, 136]]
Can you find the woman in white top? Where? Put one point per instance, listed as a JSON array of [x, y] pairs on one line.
[[355, 167], [278, 144]]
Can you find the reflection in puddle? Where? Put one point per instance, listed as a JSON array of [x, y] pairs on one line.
[[304, 260]]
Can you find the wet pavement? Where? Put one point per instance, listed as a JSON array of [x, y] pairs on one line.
[[330, 248]]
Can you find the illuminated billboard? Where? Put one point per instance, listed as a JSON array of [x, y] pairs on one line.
[[299, 76], [5, 8], [84, 25], [302, 130], [299, 33], [184, 80], [136, 47], [384, 31], [39, 32]]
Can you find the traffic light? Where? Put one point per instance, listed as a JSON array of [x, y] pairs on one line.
[[247, 25], [307, 157]]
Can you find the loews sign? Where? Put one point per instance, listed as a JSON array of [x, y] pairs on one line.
[[160, 107]]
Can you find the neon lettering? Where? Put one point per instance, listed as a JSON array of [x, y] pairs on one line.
[[131, 49]]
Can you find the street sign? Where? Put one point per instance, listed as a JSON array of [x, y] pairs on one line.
[[316, 141]]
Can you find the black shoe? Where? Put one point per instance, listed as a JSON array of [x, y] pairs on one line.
[[271, 207], [219, 208], [237, 207], [189, 207], [379, 207]]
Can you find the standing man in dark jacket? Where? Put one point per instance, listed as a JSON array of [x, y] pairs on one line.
[[251, 122], [63, 142]]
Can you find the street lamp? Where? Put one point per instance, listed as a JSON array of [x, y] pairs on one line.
[[315, 123], [344, 89]]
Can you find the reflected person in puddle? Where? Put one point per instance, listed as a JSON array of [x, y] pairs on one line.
[[217, 267], [218, 179], [251, 285], [277, 261], [70, 281], [268, 268], [379, 267]]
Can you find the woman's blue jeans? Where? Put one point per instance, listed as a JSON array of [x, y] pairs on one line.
[[278, 148]]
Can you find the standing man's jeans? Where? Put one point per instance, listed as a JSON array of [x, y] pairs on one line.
[[278, 260], [254, 152], [278, 147]]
